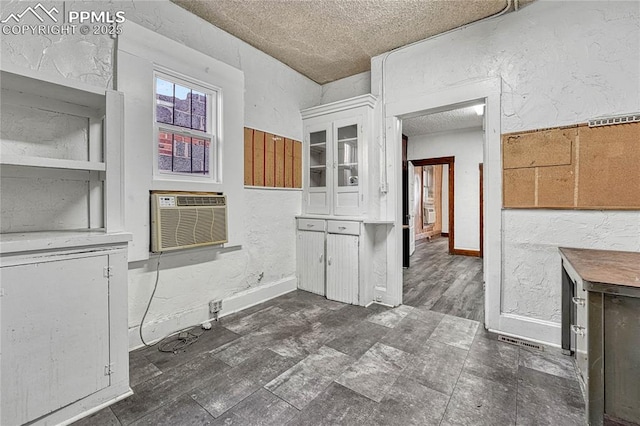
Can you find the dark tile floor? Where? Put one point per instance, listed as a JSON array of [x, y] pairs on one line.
[[303, 360]]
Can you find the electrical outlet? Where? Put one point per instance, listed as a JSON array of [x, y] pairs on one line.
[[215, 306]]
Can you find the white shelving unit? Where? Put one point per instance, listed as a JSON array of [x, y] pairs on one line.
[[63, 255]]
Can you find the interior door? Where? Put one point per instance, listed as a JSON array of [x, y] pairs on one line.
[[412, 208]]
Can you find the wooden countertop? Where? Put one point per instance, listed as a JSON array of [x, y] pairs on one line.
[[605, 266]]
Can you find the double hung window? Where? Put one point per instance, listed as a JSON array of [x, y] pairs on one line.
[[185, 114]]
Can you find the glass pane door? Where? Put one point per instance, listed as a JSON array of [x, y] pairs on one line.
[[348, 155], [318, 159]]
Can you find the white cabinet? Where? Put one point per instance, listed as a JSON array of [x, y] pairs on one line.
[[311, 255], [343, 274], [63, 257], [337, 154], [331, 249], [63, 325]]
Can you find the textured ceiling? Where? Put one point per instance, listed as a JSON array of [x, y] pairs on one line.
[[327, 40], [457, 119]]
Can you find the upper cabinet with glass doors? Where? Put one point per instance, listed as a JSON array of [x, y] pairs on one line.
[[337, 157]]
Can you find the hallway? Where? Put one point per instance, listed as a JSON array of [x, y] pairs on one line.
[[442, 283]]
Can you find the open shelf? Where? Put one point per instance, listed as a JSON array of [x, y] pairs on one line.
[[51, 163]]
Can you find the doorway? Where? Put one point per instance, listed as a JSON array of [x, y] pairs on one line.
[[459, 96]]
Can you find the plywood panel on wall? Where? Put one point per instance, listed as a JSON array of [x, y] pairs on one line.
[[271, 160], [577, 167], [608, 170], [248, 156], [258, 158], [288, 163]]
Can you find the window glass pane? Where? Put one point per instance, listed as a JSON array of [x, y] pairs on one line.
[[165, 151], [197, 155], [182, 107], [181, 154], [198, 111], [164, 101], [207, 147]]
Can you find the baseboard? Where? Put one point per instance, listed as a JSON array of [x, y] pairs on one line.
[[535, 330], [463, 252], [157, 330]]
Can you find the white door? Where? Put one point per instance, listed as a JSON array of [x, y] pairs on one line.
[[55, 335], [310, 258], [342, 268], [318, 175], [412, 208], [347, 153]]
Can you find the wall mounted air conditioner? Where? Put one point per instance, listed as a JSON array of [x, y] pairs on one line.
[[184, 219]]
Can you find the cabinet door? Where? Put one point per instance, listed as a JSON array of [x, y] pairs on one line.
[[342, 268], [318, 176], [311, 261], [348, 161], [55, 335]]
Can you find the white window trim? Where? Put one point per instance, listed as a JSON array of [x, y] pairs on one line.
[[214, 122]]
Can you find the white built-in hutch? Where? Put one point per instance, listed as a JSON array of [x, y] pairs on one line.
[[337, 228], [63, 257]]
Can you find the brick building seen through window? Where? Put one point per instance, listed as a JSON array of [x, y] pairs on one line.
[[183, 128]]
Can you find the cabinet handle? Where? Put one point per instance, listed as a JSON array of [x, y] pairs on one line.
[[321, 258], [310, 225], [342, 228], [578, 301], [329, 261], [577, 330]]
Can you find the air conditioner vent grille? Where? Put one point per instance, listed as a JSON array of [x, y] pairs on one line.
[[183, 221], [192, 201]]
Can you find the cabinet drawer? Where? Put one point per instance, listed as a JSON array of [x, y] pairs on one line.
[[311, 225], [343, 227]]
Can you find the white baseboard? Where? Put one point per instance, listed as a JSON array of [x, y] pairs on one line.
[[535, 330], [179, 321]]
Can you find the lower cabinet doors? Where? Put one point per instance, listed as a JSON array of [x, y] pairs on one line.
[[311, 261], [342, 268]]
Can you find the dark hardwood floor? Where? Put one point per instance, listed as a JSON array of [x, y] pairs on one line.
[[444, 283]]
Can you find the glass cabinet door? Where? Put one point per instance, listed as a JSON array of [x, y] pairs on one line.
[[318, 159], [347, 156]]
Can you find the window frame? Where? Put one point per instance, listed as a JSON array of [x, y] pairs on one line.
[[214, 128]]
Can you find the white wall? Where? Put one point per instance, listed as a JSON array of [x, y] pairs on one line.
[[345, 88], [466, 147], [273, 97], [561, 63]]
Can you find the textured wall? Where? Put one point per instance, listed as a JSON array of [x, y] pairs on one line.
[[356, 85], [466, 146], [274, 94], [561, 63]]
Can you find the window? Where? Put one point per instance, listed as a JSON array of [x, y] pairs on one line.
[[185, 126]]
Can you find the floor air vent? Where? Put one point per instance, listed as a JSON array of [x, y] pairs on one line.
[[520, 342]]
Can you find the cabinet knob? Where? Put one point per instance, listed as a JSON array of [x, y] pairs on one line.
[[329, 261], [321, 258]]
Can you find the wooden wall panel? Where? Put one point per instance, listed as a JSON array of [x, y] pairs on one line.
[[269, 160], [288, 163], [258, 158], [519, 188], [297, 164], [601, 173], [248, 156], [608, 169], [280, 162], [538, 149]]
